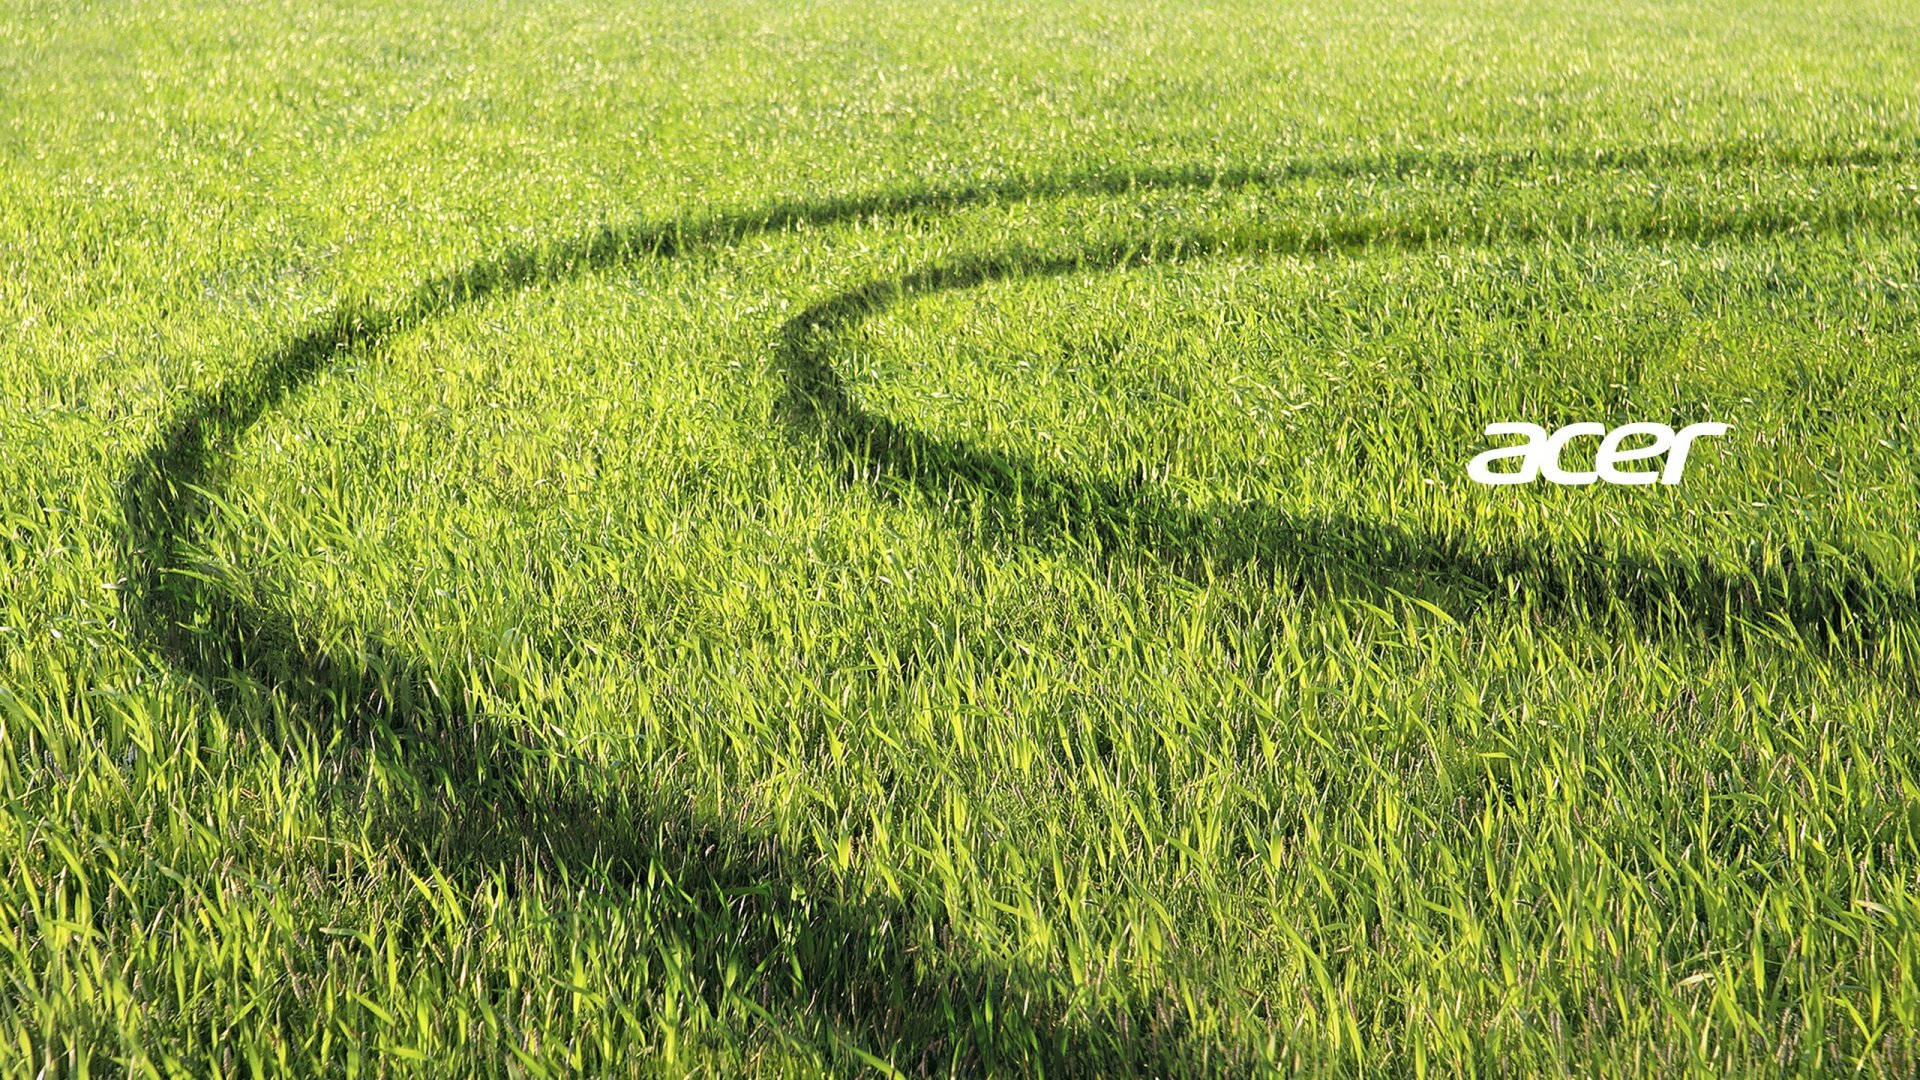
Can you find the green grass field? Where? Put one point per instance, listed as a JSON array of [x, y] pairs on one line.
[[557, 539]]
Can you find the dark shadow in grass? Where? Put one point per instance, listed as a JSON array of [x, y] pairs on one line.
[[1825, 600], [737, 899], [811, 956]]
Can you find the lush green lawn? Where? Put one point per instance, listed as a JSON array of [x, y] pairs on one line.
[[552, 538]]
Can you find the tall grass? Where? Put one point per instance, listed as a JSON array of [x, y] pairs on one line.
[[552, 541]]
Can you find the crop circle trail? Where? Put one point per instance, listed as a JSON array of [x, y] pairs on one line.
[[213, 635]]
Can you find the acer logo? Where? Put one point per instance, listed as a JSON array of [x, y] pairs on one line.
[[1542, 454]]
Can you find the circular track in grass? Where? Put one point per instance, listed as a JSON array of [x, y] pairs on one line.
[[214, 634]]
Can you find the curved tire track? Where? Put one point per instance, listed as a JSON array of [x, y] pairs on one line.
[[857, 976]]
